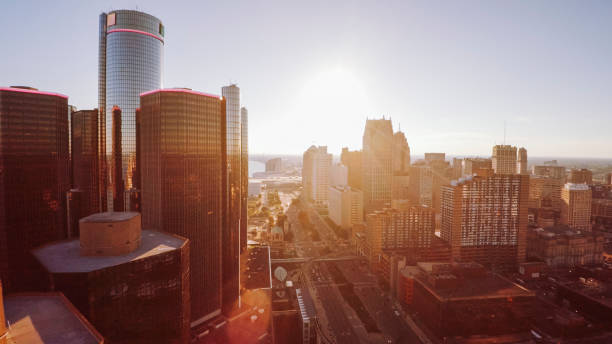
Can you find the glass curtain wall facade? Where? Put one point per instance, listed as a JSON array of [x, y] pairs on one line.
[[84, 163], [231, 232], [182, 168], [244, 166], [34, 178], [130, 63]]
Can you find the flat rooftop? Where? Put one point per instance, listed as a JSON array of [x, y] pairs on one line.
[[109, 217], [258, 274], [489, 286], [47, 318], [65, 256]]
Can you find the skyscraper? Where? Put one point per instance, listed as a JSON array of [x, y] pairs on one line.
[[182, 167], [522, 161], [34, 177], [576, 202], [233, 202], [84, 164], [377, 159], [473, 165], [316, 167], [421, 185], [484, 219], [131, 49], [504, 159], [345, 206], [401, 153], [352, 161], [552, 171], [338, 175], [545, 191], [580, 176], [244, 175]]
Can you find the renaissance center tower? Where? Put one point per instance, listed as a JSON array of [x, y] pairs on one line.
[[131, 53]]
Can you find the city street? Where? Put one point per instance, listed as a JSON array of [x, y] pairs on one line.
[[339, 318]]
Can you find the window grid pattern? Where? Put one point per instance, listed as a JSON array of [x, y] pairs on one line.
[[34, 179], [133, 64], [182, 152]]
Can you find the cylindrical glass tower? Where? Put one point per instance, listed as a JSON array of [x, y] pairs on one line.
[[130, 63]]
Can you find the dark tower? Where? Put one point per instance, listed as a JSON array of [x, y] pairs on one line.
[[117, 163], [182, 182], [34, 178], [84, 163]]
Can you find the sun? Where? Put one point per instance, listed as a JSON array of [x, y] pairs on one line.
[[331, 99]]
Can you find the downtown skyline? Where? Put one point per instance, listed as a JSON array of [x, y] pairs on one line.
[[450, 81]]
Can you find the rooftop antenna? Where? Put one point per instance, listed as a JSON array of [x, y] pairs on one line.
[[504, 132]]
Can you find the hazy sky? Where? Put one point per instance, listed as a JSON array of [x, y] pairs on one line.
[[450, 72]]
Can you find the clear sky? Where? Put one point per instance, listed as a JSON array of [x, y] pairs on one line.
[[449, 72]]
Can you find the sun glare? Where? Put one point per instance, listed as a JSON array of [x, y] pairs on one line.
[[335, 96]]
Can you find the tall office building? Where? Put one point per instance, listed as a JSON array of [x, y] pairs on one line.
[[522, 161], [545, 191], [233, 202], [421, 185], [401, 153], [34, 177], [457, 168], [131, 52], [504, 159], [377, 165], [274, 165], [406, 228], [576, 202], [484, 219], [84, 162], [182, 167], [580, 176], [338, 175], [553, 171], [345, 206], [352, 161], [244, 175], [316, 167], [473, 165]]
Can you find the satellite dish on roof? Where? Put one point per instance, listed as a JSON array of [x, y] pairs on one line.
[[280, 273]]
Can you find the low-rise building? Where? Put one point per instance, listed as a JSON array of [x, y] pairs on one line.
[[392, 262], [443, 294], [39, 318], [562, 246]]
